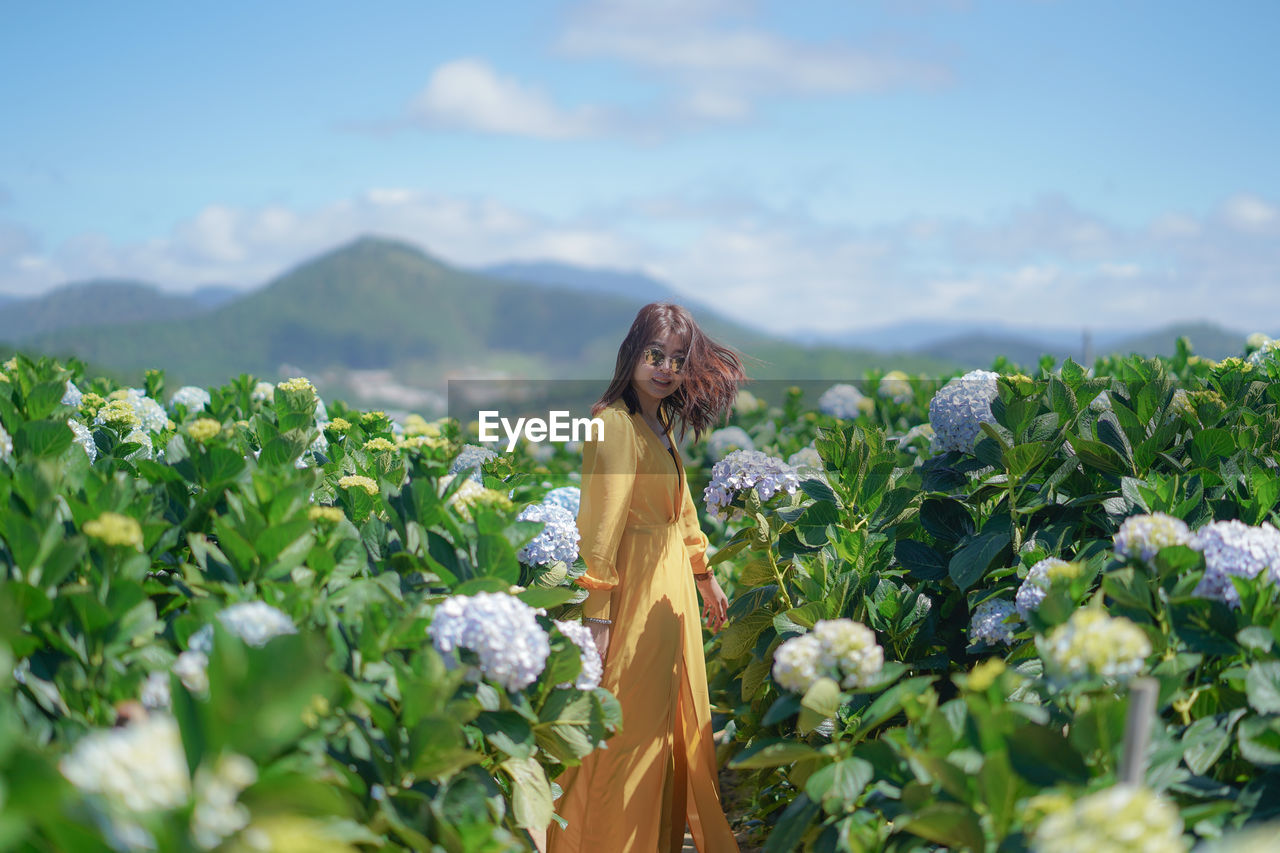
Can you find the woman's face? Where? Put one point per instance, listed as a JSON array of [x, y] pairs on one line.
[[660, 369]]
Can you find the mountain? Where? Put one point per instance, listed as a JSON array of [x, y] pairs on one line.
[[214, 295], [635, 286], [92, 303], [1207, 339]]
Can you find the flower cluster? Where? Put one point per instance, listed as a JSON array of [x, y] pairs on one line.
[[193, 397], [203, 429], [558, 541], [500, 629], [1141, 537], [897, 387], [842, 401], [72, 396], [1038, 580], [990, 623], [115, 529], [1120, 818], [592, 666], [746, 403], [959, 407], [84, 438], [139, 768], [379, 445], [1092, 643], [298, 383], [747, 469], [117, 414], [150, 414], [1234, 549], [358, 481], [472, 456], [1264, 350], [568, 497], [471, 494], [6, 443], [263, 392], [331, 514], [805, 457], [255, 622], [721, 442], [840, 649], [142, 438], [217, 814]]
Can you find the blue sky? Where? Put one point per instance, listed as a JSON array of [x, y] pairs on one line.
[[832, 165]]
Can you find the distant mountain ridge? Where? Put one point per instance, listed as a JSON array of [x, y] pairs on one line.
[[92, 303]]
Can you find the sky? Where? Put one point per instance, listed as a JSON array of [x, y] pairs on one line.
[[802, 165]]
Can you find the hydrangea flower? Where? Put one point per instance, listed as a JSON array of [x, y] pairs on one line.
[[146, 450], [1038, 580], [558, 540], [806, 457], [568, 497], [192, 666], [1141, 537], [203, 429], [723, 441], [472, 456], [6, 443], [255, 622], [917, 431], [1234, 549], [896, 385], [151, 415], [263, 392], [358, 481], [842, 401], [746, 403], [988, 624], [592, 666], [500, 629], [138, 769], [747, 469], [72, 395], [1267, 351], [840, 649], [115, 529], [117, 414], [217, 814], [959, 407], [155, 691], [1118, 819], [193, 397], [471, 493], [84, 438], [1092, 643]]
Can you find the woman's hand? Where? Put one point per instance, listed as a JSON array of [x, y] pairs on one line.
[[600, 633], [715, 604]]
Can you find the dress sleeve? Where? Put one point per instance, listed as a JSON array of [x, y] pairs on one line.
[[695, 541], [608, 476]]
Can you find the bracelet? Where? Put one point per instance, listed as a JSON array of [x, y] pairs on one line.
[[702, 576], [599, 621]]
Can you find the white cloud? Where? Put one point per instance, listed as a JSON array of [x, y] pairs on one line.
[[467, 94], [1250, 214]]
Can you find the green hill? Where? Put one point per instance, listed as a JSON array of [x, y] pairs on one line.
[[1207, 339], [92, 303]]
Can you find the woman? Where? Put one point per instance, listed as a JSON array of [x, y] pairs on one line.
[[645, 555]]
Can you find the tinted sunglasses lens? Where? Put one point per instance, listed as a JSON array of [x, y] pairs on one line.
[[677, 363]]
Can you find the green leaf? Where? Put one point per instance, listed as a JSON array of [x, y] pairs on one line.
[[42, 439], [921, 561], [283, 450], [790, 830], [823, 697], [1044, 757], [838, 786], [531, 793], [1259, 739], [950, 824], [1203, 743], [971, 562], [771, 752], [1209, 444], [1262, 686], [946, 519], [737, 639]]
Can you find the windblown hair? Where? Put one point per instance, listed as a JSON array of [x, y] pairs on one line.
[[711, 374]]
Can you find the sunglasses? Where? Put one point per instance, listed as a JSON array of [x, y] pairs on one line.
[[655, 357]]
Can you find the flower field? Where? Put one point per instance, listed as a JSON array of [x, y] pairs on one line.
[[241, 619]]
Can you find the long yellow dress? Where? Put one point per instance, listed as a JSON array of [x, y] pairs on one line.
[[642, 543]]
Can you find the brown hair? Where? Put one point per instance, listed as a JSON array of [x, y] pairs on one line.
[[711, 375]]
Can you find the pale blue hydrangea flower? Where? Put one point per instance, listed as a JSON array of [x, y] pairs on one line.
[[747, 469], [568, 497], [155, 691], [472, 456], [805, 457], [1037, 582], [721, 442], [263, 392], [841, 401], [322, 412], [500, 629], [255, 622], [1266, 350], [193, 397], [989, 624], [1141, 537], [1234, 549], [959, 407], [84, 438], [558, 539], [6, 443], [151, 414], [592, 667], [72, 395], [320, 445]]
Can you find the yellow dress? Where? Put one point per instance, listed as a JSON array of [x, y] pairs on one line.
[[642, 543]]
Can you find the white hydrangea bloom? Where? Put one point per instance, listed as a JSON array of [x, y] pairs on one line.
[[155, 691], [723, 441], [746, 403], [256, 622], [558, 540], [84, 438], [1118, 819], [192, 666], [1268, 351], [139, 768], [988, 624], [959, 407], [501, 629], [193, 397], [1141, 537], [146, 451], [1092, 643], [592, 666], [797, 662], [151, 415], [850, 649], [842, 401], [472, 456], [72, 395], [6, 444], [747, 469], [263, 392], [1257, 341], [1234, 549], [805, 457], [217, 815], [320, 445], [896, 385], [1037, 582], [568, 497]]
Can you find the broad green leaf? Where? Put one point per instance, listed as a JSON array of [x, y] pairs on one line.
[[771, 752]]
